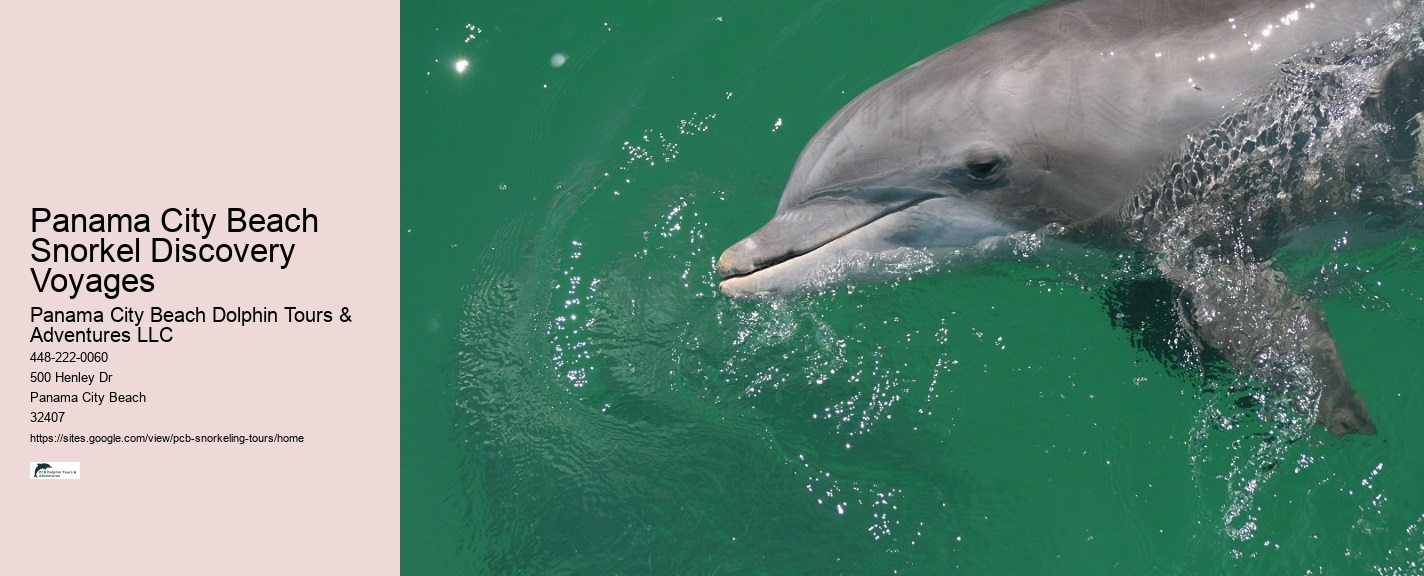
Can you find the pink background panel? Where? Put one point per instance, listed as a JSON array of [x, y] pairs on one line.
[[135, 107]]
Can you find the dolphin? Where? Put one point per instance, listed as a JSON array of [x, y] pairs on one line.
[[1141, 123]]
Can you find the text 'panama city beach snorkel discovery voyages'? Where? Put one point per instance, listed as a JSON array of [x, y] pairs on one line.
[[160, 249]]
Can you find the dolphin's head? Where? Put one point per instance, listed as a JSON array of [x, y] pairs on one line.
[[995, 135], [935, 160], [839, 215]]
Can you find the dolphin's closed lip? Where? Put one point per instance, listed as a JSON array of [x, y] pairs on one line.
[[754, 254]]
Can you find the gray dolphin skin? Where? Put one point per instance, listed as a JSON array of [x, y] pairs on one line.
[[1196, 130]]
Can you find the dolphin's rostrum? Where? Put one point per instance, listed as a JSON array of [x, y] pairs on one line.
[[1202, 131]]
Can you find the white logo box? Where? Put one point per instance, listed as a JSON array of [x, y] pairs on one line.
[[53, 471]]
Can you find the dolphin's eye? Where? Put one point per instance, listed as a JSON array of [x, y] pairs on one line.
[[978, 169], [983, 170]]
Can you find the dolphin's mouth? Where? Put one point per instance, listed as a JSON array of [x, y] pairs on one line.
[[797, 233]]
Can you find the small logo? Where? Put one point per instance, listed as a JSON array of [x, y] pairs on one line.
[[54, 470]]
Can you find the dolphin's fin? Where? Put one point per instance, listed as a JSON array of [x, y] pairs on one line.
[[1244, 310]]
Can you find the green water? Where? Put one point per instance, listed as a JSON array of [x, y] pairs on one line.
[[578, 399]]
